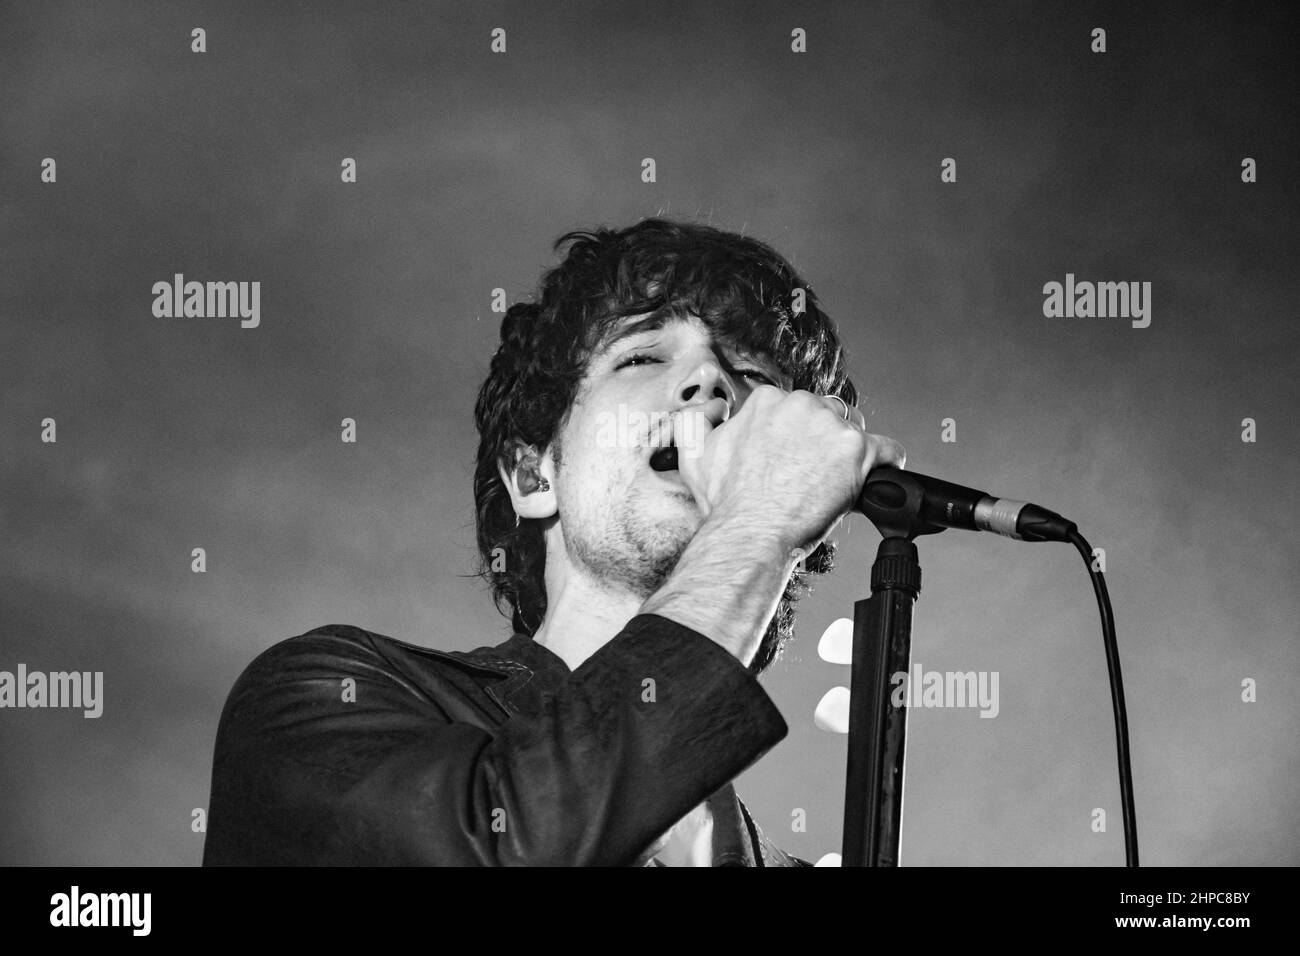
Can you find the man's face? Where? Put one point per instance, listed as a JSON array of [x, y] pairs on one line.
[[623, 522]]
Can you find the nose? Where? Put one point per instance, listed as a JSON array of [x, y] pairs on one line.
[[705, 383]]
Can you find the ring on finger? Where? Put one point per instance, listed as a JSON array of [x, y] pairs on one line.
[[843, 404]]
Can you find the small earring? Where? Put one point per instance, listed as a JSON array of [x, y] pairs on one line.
[[544, 486], [516, 521]]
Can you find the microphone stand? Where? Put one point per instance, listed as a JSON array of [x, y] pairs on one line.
[[882, 647]]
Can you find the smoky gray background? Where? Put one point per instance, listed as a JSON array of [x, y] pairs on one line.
[[182, 433]]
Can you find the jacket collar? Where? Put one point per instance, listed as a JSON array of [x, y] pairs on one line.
[[529, 668]]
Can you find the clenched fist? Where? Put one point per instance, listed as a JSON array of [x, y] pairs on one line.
[[787, 464]]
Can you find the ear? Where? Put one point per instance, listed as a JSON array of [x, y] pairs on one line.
[[525, 481]]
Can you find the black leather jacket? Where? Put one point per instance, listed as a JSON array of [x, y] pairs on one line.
[[343, 747]]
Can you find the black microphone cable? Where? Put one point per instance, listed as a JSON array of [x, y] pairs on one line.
[[1116, 697]]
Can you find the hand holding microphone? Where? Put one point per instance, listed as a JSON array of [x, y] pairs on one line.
[[789, 465]]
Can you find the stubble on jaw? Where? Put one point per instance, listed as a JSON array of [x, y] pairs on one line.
[[631, 553]]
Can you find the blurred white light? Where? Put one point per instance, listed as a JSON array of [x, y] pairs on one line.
[[833, 712], [836, 645]]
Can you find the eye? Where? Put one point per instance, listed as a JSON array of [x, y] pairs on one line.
[[636, 359], [755, 374]]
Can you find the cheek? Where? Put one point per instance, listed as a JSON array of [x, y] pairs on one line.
[[591, 471]]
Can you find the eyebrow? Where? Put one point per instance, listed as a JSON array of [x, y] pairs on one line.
[[647, 323]]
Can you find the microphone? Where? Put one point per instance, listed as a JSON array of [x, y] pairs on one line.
[[896, 500]]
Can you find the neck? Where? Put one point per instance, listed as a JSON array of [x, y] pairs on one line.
[[582, 615]]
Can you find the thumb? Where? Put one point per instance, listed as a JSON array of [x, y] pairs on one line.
[[691, 427]]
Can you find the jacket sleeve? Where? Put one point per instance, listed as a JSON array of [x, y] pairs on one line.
[[644, 730]]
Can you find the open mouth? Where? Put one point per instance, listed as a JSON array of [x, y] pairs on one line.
[[664, 459], [664, 456]]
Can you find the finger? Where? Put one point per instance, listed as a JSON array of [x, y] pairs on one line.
[[690, 429], [881, 451], [894, 453], [887, 452], [692, 425]]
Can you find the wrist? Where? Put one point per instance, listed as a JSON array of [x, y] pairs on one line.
[[748, 537], [727, 584]]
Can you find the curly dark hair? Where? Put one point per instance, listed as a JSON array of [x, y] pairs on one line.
[[742, 290]]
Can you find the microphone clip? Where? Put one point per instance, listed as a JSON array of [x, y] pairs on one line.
[[893, 500]]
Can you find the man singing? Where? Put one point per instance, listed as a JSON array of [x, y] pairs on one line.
[[664, 434]]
